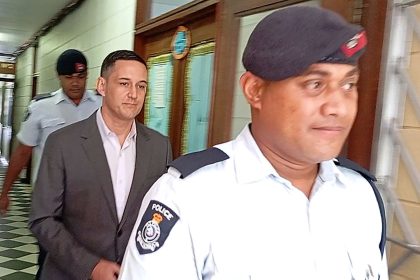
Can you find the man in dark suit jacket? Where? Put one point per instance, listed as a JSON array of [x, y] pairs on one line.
[[93, 177]]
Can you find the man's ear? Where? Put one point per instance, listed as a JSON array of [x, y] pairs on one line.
[[252, 88], [100, 86]]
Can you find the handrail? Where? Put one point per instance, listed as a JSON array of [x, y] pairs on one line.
[[411, 88], [414, 21], [408, 3], [407, 159], [412, 247]]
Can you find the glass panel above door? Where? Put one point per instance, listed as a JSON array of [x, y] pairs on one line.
[[160, 7]]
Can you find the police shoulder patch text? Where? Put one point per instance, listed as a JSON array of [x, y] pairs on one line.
[[27, 114], [155, 226]]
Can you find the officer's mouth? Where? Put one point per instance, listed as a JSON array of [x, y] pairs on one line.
[[330, 131], [130, 104]]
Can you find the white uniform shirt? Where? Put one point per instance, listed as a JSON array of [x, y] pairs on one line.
[[121, 161], [239, 220], [49, 114]]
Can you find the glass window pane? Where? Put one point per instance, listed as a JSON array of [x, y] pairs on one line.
[[199, 81], [159, 93], [160, 7]]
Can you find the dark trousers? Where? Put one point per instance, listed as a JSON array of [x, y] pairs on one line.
[[41, 258]]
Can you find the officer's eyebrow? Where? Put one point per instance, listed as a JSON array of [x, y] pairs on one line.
[[353, 72], [128, 79], [312, 70]]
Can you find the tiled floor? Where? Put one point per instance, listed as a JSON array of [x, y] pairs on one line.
[[18, 249]]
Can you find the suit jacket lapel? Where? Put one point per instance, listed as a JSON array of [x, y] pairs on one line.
[[94, 149], [143, 157]]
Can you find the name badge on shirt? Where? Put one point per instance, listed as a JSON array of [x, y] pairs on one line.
[[155, 226]]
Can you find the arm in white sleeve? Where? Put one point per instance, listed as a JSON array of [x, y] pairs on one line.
[[161, 246]]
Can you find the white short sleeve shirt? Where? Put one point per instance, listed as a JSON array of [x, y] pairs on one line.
[[49, 114], [238, 219]]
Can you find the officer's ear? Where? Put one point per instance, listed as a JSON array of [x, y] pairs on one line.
[[252, 88], [100, 86]]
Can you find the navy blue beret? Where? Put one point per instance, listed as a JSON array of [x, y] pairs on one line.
[[71, 61], [286, 42]]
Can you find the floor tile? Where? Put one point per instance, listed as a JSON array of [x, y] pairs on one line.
[[6, 227], [16, 265], [15, 207], [16, 218], [16, 212], [5, 221], [13, 253], [21, 231], [5, 271], [31, 248], [4, 259], [19, 276], [28, 239], [10, 244], [32, 258], [19, 224], [23, 205], [32, 270], [8, 235]]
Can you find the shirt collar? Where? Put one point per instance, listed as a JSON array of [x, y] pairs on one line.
[[338, 174], [330, 172], [133, 131], [60, 96], [246, 150], [106, 132]]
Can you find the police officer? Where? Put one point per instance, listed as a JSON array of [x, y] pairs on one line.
[[274, 203], [49, 112]]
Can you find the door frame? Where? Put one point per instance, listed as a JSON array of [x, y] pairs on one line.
[[154, 37]]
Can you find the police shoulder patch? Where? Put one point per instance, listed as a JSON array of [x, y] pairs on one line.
[[189, 163], [27, 114], [42, 96], [155, 226]]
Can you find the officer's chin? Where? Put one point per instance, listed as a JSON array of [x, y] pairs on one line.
[[75, 92], [325, 156]]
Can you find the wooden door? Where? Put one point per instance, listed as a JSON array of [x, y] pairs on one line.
[[170, 103]]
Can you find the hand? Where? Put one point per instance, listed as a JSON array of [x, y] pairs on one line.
[[4, 204], [105, 270]]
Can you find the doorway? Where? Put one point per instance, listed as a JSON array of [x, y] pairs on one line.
[[179, 48]]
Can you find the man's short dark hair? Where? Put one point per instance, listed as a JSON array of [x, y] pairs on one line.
[[111, 58]]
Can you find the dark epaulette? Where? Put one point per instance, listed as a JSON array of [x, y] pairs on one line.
[[344, 162], [42, 96], [189, 163], [371, 179]]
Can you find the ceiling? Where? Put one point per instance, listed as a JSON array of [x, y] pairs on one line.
[[21, 19]]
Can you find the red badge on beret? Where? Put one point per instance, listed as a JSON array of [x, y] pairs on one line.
[[79, 67], [355, 44]]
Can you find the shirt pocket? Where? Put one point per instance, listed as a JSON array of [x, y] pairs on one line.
[[51, 123]]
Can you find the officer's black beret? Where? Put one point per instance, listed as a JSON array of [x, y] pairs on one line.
[[286, 42], [71, 61]]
